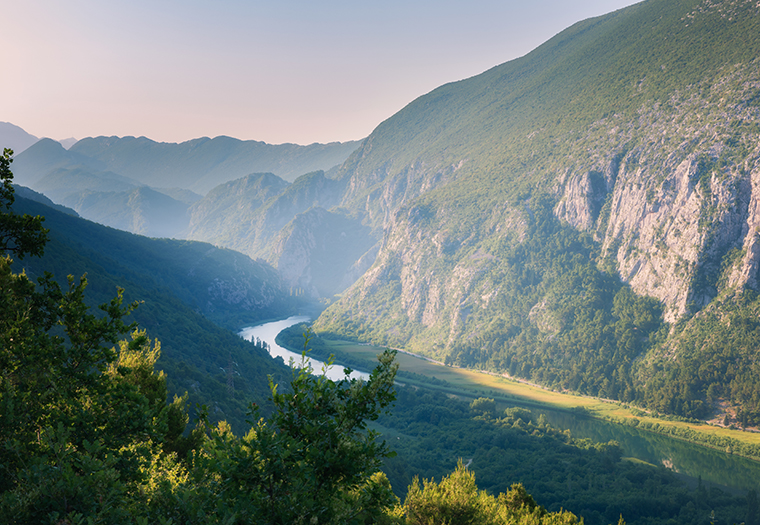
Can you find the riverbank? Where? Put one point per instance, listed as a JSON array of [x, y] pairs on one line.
[[472, 384]]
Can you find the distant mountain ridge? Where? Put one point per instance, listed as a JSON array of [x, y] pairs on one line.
[[98, 176], [15, 138], [202, 164]]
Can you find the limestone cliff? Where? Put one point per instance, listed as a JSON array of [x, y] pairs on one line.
[[317, 249], [673, 195]]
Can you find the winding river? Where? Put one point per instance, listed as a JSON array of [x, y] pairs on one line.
[[267, 332], [726, 471]]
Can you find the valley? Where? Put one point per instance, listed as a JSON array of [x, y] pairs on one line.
[[694, 466], [585, 417], [564, 249]]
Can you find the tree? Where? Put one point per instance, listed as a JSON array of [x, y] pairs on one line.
[[19, 234], [484, 405], [457, 500], [312, 461], [81, 421]]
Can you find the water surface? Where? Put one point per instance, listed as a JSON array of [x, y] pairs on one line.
[[267, 332]]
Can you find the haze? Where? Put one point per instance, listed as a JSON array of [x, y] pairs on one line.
[[288, 71]]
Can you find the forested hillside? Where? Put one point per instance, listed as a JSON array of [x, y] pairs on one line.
[[192, 298], [583, 216]]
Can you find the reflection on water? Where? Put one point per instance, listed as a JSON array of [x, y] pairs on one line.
[[267, 332], [714, 466]]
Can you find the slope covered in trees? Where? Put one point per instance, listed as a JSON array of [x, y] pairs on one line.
[[191, 295], [511, 205]]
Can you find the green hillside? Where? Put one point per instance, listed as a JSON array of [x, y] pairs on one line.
[[183, 286], [516, 122], [225, 215], [579, 216], [45, 156], [142, 210]]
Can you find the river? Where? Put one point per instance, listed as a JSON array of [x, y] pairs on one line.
[[726, 471], [267, 332]]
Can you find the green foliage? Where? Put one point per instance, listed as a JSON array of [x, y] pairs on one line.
[[19, 234], [716, 360], [457, 500], [313, 458], [483, 405], [430, 431], [226, 287], [82, 423], [86, 435], [172, 279]]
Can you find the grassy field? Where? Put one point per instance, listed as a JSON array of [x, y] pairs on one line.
[[473, 384]]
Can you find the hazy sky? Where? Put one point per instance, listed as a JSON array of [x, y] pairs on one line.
[[278, 71]]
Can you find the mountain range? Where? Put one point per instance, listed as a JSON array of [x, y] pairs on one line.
[[585, 216]]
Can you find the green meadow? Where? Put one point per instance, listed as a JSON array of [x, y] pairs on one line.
[[472, 384]]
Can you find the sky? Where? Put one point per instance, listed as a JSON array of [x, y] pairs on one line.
[[299, 71]]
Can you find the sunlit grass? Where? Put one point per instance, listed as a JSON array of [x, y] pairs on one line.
[[471, 383]]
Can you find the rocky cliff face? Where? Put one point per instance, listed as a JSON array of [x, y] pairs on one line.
[[673, 200], [317, 250], [665, 180]]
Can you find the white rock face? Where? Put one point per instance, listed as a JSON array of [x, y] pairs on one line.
[[679, 202]]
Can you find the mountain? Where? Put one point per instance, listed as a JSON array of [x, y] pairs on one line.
[[61, 183], [26, 193], [67, 143], [225, 286], [289, 226], [110, 170], [15, 138], [47, 156], [183, 286], [317, 250], [583, 216], [141, 210], [202, 164], [225, 215]]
